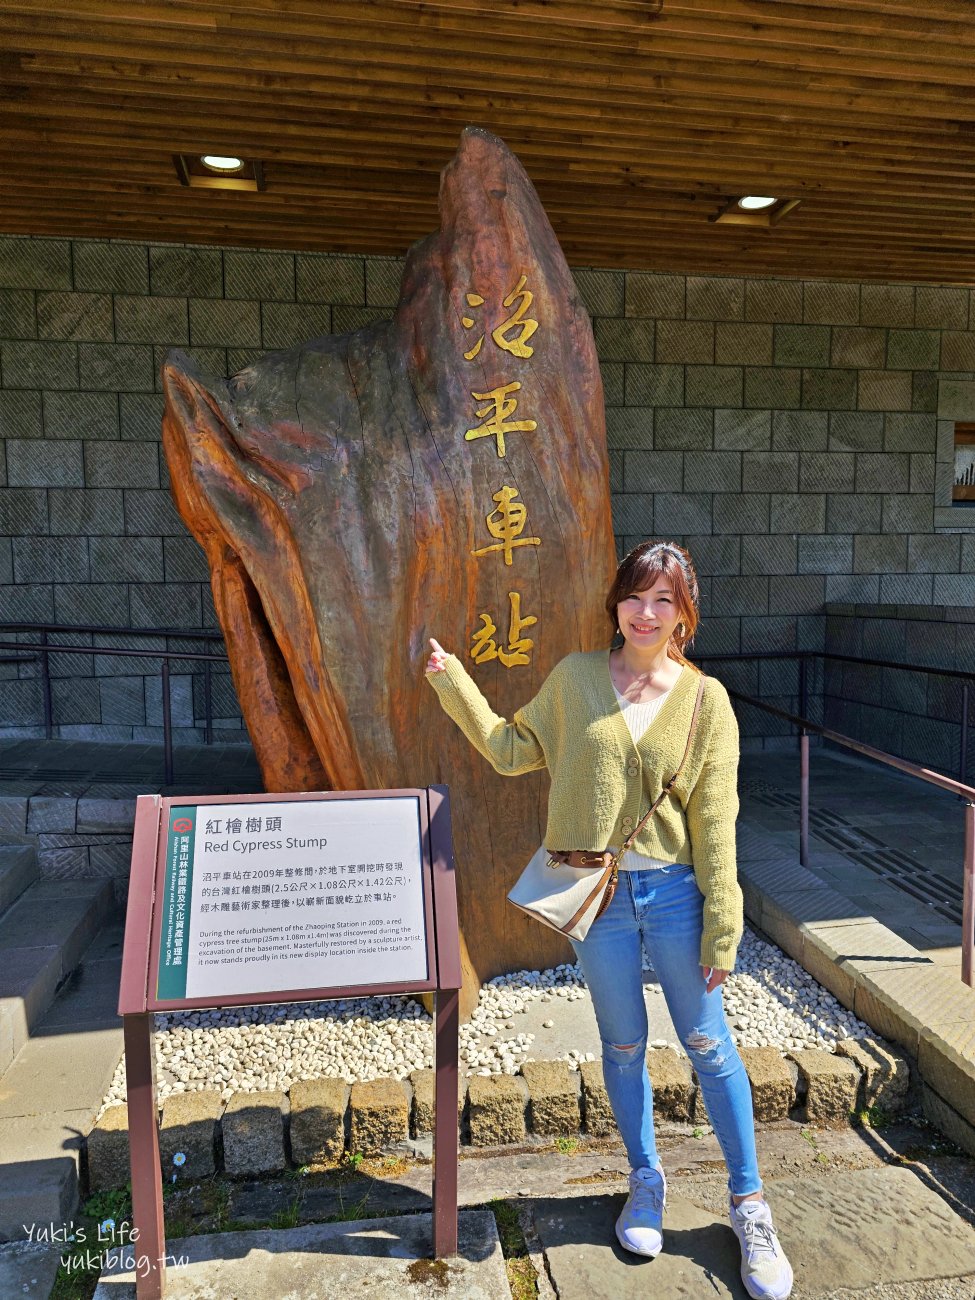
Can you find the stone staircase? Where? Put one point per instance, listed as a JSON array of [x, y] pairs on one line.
[[60, 1038]]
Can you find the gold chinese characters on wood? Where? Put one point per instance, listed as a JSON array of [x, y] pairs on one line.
[[443, 474]]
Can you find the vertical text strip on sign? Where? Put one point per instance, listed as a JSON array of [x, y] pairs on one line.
[[507, 521]]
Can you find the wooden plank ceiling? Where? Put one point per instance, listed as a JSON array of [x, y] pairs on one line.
[[636, 119]]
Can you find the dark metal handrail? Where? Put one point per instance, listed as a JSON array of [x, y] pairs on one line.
[[185, 634], [830, 654], [966, 792], [123, 651], [44, 648], [806, 725], [802, 655], [948, 783]]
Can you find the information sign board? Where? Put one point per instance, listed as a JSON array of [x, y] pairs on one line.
[[274, 898], [299, 894]]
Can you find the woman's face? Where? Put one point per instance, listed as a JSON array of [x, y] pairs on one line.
[[647, 618]]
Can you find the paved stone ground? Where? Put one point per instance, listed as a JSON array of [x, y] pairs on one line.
[[912, 833], [864, 1215], [835, 1194], [383, 1259]]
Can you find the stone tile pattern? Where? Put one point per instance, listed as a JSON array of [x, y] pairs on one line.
[[916, 715], [795, 435]]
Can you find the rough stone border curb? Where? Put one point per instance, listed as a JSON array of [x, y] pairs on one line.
[[320, 1120], [923, 1008]]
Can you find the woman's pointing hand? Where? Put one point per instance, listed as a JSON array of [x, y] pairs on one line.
[[438, 657]]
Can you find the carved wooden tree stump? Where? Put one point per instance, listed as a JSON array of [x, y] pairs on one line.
[[440, 474]]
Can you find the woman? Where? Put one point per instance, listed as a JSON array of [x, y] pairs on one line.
[[611, 728]]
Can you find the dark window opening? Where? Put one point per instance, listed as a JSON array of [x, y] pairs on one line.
[[963, 484]]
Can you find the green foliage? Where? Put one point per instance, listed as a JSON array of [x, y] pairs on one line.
[[180, 1225], [289, 1216], [871, 1117], [112, 1203], [349, 1213], [81, 1262], [698, 1133], [509, 1228], [567, 1145], [522, 1278], [75, 1283]]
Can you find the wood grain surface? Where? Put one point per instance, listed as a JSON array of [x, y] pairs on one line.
[[638, 121], [359, 494]]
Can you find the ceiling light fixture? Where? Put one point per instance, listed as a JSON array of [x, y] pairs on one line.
[[222, 162], [754, 210], [219, 171], [750, 203]]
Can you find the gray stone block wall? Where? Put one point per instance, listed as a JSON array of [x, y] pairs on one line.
[[915, 714], [799, 425], [794, 435]]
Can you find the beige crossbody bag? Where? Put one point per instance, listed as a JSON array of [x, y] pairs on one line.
[[568, 891]]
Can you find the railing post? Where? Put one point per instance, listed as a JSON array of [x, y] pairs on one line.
[[46, 690], [167, 725], [803, 691], [207, 705], [804, 798], [963, 762], [968, 898]]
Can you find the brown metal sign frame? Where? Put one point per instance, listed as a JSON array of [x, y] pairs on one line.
[[138, 1003]]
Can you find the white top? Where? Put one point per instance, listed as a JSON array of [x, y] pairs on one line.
[[638, 718]]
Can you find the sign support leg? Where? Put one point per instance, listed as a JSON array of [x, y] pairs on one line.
[[445, 1127], [149, 1248]]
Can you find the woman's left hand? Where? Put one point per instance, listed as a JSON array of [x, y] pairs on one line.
[[714, 977]]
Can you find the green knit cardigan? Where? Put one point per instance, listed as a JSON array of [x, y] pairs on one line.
[[602, 782]]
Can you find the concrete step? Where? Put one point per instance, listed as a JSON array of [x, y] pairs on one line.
[[42, 937], [383, 1259], [41, 1156], [50, 1095], [18, 868]]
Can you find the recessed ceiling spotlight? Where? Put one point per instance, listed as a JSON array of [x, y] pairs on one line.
[[223, 162], [754, 210], [219, 171], [750, 203]]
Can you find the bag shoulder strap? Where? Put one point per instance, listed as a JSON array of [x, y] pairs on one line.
[[673, 780]]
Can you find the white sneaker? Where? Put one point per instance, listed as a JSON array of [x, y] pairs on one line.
[[640, 1226], [765, 1271]]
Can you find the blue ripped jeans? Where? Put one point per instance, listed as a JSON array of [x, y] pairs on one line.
[[662, 910]]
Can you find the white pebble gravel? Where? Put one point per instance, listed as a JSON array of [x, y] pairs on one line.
[[770, 1001]]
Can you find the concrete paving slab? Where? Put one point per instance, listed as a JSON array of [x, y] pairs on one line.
[[841, 1230], [61, 914], [27, 1270], [838, 1232], [60, 1072], [948, 958], [108, 941], [384, 1259], [39, 1173], [18, 869], [901, 1002], [28, 981], [574, 1023], [89, 1000], [585, 1260]]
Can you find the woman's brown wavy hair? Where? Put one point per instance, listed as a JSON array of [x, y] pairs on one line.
[[641, 569]]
